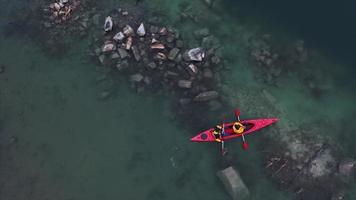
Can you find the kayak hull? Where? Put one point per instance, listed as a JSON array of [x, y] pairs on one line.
[[251, 125]]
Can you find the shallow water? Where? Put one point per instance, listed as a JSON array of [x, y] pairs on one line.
[[72, 145]]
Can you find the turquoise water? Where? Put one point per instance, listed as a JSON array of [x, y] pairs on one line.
[[73, 145]]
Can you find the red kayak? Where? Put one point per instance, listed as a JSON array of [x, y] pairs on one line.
[[251, 125]]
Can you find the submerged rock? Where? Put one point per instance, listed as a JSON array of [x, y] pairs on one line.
[[346, 167], [208, 73], [206, 96], [141, 30], [173, 53], [185, 84], [122, 65], [108, 25], [105, 95], [152, 65], [196, 54], [102, 59], [202, 32], [136, 78], [233, 183], [184, 101], [123, 53]]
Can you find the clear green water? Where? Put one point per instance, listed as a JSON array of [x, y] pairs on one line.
[[71, 145]]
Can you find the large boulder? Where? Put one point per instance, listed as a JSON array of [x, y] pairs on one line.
[[233, 183], [108, 25], [196, 54]]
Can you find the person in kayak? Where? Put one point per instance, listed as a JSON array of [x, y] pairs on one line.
[[217, 132], [238, 127]]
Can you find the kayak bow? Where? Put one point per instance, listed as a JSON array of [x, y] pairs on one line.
[[251, 125]]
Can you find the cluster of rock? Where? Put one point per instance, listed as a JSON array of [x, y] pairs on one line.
[[273, 61], [65, 17], [61, 11], [308, 168], [155, 57]]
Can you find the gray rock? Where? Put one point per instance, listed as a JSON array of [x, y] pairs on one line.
[[128, 31], [207, 73], [184, 101], [163, 31], [206, 96], [161, 56], [115, 56], [185, 84], [170, 39], [173, 53], [196, 54], [122, 52], [170, 74], [179, 58], [209, 2], [136, 78], [102, 59], [233, 183], [96, 19], [210, 42], [202, 33], [136, 53], [193, 69], [125, 13], [147, 80], [118, 36], [122, 65], [215, 60], [108, 47], [152, 65], [108, 25], [104, 95], [154, 29], [141, 30], [322, 164], [337, 196], [179, 43], [346, 167], [97, 51]]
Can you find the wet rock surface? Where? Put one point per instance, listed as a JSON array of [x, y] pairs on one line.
[[159, 55]]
